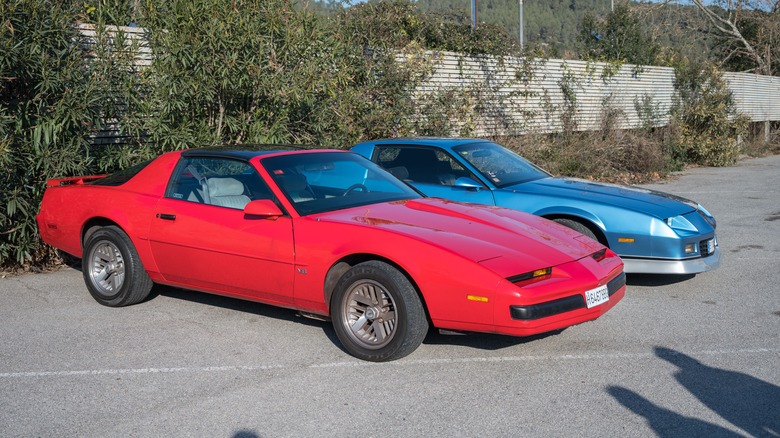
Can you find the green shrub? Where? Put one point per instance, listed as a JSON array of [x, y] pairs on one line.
[[705, 125], [50, 101]]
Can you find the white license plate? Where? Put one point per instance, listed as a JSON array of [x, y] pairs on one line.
[[711, 246], [596, 296]]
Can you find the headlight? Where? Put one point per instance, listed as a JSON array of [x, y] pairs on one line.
[[706, 215], [680, 223]]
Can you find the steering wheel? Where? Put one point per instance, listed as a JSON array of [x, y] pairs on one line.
[[354, 187]]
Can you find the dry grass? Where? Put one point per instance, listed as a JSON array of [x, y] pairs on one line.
[[617, 156], [628, 157]]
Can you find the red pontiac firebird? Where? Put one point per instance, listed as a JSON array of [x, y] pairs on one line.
[[332, 235]]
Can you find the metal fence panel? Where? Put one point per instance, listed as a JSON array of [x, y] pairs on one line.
[[512, 96]]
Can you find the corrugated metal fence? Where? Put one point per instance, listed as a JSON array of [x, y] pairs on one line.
[[513, 96]]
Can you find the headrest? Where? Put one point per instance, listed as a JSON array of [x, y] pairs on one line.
[[399, 172], [225, 187], [293, 182]]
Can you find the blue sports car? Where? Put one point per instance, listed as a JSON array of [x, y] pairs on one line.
[[653, 232]]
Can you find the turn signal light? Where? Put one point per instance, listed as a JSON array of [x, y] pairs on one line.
[[529, 275]]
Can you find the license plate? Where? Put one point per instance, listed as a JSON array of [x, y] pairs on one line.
[[711, 246], [596, 296]]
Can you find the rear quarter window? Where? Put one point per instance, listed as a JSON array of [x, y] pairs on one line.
[[122, 176]]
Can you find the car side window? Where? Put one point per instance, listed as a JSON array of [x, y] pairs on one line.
[[422, 165], [217, 181]]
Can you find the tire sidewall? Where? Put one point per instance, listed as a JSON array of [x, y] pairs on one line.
[[118, 239], [389, 278], [578, 227]]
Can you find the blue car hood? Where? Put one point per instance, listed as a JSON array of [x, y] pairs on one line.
[[659, 204]]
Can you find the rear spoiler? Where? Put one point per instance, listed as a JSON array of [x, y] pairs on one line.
[[72, 180]]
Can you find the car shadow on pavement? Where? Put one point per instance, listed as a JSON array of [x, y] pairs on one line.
[[236, 304], [653, 280], [746, 402], [483, 341]]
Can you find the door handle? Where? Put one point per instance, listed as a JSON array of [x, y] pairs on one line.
[[167, 217]]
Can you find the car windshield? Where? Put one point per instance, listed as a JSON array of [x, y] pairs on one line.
[[499, 165], [326, 181]]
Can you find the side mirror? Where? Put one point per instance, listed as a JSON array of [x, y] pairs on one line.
[[465, 182], [264, 208]]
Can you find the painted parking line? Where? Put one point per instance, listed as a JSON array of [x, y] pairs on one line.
[[401, 363]]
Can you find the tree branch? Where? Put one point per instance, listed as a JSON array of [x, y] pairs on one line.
[[730, 29]]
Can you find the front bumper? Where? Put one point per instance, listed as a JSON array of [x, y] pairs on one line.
[[665, 266], [561, 305]]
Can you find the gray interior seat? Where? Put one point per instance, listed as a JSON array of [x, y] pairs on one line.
[[227, 192]]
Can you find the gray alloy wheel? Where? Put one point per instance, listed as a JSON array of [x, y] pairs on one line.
[[112, 269], [369, 312], [377, 313], [106, 268]]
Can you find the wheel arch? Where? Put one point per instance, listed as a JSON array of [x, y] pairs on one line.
[[341, 266], [590, 224], [93, 224]]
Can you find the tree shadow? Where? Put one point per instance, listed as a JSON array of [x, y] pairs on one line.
[[664, 422], [654, 280], [749, 403], [246, 433]]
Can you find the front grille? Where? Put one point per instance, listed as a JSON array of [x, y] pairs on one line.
[[704, 248]]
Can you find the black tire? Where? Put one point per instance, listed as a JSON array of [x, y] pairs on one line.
[[377, 314], [112, 269], [578, 227]]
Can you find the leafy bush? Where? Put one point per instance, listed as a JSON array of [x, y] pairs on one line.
[[50, 100], [705, 125], [224, 72]]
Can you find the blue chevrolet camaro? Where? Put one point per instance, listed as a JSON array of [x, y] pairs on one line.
[[653, 232]]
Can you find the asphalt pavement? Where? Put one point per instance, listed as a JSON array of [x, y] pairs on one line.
[[679, 356]]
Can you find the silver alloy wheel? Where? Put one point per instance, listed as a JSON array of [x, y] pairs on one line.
[[369, 313], [106, 268]]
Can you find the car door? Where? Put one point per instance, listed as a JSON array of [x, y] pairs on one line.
[[433, 172], [201, 239]]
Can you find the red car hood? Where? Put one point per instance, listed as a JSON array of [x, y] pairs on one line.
[[503, 240]]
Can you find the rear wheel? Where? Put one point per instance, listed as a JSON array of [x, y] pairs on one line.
[[578, 227], [377, 314], [112, 269]]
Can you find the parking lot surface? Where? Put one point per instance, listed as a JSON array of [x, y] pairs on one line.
[[679, 356]]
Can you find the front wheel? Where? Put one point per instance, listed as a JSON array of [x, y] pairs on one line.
[[377, 314], [112, 269], [577, 226]]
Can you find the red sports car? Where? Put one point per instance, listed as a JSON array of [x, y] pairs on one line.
[[332, 235]]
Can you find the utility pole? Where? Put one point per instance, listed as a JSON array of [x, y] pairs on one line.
[[473, 14], [520, 20]]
